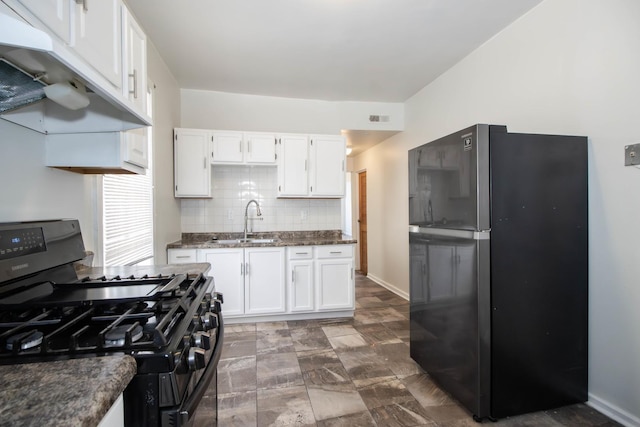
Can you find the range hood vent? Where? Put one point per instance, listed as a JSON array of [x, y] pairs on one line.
[[79, 99], [17, 87]]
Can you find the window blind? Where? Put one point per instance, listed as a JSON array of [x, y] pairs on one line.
[[128, 219]]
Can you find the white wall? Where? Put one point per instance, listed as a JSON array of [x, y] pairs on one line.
[[567, 67], [166, 116], [32, 191]]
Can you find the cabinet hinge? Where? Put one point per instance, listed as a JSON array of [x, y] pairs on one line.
[[276, 156], [279, 187]]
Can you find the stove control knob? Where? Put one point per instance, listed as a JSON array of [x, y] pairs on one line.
[[209, 321], [205, 304], [196, 322], [196, 359], [202, 340]]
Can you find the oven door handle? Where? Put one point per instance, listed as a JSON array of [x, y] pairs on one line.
[[190, 405]]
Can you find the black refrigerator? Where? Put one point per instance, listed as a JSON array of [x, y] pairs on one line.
[[498, 240]]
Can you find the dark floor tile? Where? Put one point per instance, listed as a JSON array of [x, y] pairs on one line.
[[370, 301], [376, 334], [274, 341], [377, 315], [398, 359], [400, 328], [285, 407], [383, 393], [278, 370], [237, 409], [238, 374], [365, 366], [305, 339], [360, 419], [232, 349], [426, 391], [408, 413]]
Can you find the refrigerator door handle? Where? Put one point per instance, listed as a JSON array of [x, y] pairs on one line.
[[447, 232]]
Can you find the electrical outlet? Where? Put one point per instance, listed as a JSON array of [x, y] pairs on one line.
[[230, 214], [632, 155]]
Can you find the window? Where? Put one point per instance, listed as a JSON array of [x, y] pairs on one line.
[[127, 214]]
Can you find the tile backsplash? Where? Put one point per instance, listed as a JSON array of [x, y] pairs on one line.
[[234, 186]]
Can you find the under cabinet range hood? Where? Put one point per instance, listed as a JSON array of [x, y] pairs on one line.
[[44, 86]]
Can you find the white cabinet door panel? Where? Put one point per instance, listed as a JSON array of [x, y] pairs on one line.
[[328, 154], [293, 164], [226, 147], [260, 148], [334, 283], [301, 285], [227, 270], [55, 14], [192, 167], [264, 280]]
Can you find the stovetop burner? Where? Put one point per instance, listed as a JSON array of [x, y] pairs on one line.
[[25, 340], [116, 337]]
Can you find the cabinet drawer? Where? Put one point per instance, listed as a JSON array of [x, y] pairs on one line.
[[181, 256], [300, 252], [334, 251]]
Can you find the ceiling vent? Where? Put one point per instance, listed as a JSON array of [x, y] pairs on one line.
[[378, 118]]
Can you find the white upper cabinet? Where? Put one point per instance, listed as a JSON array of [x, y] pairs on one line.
[[239, 148], [191, 163], [311, 166], [55, 14], [327, 173], [98, 36], [134, 61], [293, 166], [260, 148]]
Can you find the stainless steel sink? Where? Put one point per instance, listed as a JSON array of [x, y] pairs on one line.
[[248, 240]]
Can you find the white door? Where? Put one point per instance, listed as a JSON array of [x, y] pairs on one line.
[[227, 270], [227, 147], [328, 154], [300, 285], [98, 36], [264, 280], [334, 282], [192, 177], [55, 14], [260, 148], [293, 165]]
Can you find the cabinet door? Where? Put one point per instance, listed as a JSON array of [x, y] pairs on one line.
[[227, 270], [293, 165], [264, 280], [136, 147], [98, 36], [440, 265], [328, 154], [226, 147], [260, 148], [135, 57], [192, 175], [300, 285], [334, 284], [55, 14]]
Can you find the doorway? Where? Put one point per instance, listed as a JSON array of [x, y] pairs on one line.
[[362, 221]]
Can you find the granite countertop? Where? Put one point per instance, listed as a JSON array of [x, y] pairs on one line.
[[138, 271], [74, 392], [286, 238]]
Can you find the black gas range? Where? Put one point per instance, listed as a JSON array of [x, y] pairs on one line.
[[171, 324]]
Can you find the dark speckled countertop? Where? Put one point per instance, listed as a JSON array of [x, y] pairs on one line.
[[75, 392], [287, 238]]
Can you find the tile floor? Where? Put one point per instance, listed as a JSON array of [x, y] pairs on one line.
[[344, 372]]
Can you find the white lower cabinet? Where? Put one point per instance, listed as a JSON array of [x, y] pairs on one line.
[[182, 256], [335, 287], [300, 278], [251, 279]]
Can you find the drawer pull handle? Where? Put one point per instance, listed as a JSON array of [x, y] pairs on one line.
[[302, 253], [183, 256], [336, 252]]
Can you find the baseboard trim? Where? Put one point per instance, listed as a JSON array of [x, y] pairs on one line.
[[389, 286], [612, 411]]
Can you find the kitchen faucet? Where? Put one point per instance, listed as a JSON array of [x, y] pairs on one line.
[[246, 215]]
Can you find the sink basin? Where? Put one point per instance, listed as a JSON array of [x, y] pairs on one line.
[[248, 240]]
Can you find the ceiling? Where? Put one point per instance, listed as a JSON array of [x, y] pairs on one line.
[[334, 50]]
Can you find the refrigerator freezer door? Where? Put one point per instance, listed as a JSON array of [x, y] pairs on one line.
[[450, 311], [449, 181]]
